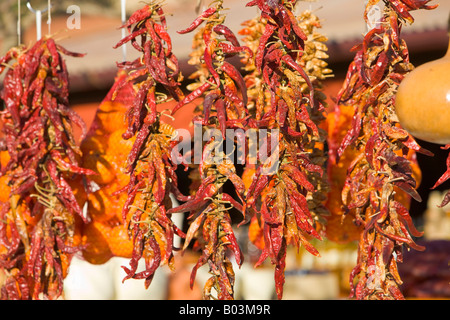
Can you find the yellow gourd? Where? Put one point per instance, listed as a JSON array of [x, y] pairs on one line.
[[423, 101]]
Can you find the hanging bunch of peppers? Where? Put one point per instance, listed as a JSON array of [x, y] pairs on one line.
[[41, 215], [285, 204], [149, 164], [224, 106], [381, 175]]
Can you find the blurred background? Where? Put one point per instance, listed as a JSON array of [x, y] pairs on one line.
[[426, 274]]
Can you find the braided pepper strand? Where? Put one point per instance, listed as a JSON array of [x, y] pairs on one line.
[[224, 106], [149, 163], [40, 224], [382, 175], [285, 206]]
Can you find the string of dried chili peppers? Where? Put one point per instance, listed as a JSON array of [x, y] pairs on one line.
[[381, 173], [40, 222], [224, 94], [149, 163], [285, 206]]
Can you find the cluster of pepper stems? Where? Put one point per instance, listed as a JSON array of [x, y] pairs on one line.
[[284, 60]]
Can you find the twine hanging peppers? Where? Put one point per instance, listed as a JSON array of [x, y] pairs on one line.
[[285, 206], [224, 106], [382, 170], [149, 163], [40, 222], [224, 85]]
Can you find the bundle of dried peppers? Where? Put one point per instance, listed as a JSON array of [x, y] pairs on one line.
[[224, 106], [146, 212], [40, 219], [381, 172], [285, 205]]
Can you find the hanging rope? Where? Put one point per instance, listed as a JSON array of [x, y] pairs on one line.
[[19, 31], [38, 14], [49, 19], [199, 6], [124, 20]]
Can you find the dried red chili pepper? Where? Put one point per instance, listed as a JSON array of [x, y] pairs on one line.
[[381, 174], [444, 178], [287, 203], [224, 106], [39, 222], [211, 217], [146, 212]]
